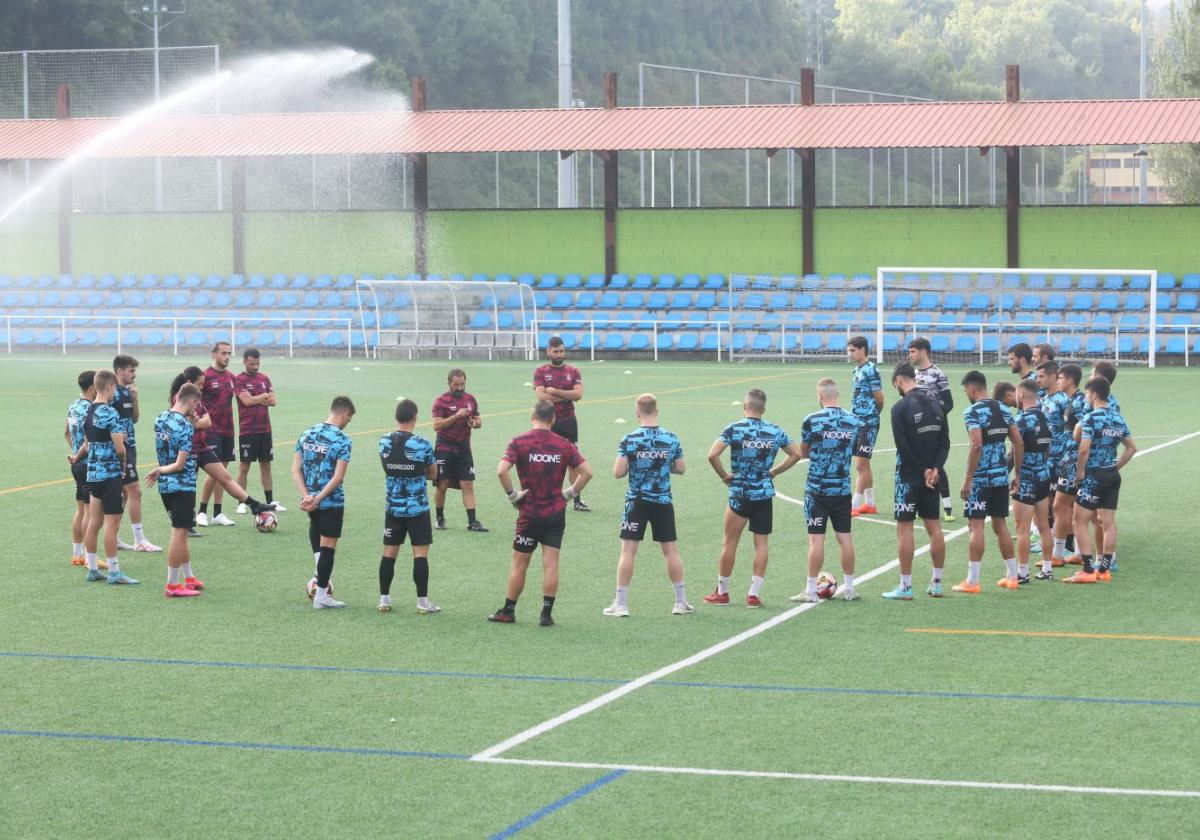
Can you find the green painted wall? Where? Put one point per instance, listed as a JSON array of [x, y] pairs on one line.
[[1165, 238], [657, 241], [510, 242], [722, 241]]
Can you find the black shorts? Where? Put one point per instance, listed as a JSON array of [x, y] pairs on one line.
[[758, 512], [79, 473], [181, 506], [1031, 492], [417, 528], [328, 521], [864, 442], [915, 500], [223, 446], [1066, 477], [641, 514], [821, 511], [547, 531], [108, 493], [256, 447], [207, 456], [568, 427], [984, 501], [1100, 489], [454, 463], [130, 476]]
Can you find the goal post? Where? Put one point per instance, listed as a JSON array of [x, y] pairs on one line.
[[974, 314], [447, 318]]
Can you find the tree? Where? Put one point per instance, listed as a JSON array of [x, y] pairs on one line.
[[1177, 64]]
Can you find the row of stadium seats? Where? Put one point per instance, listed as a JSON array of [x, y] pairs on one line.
[[178, 299], [641, 282], [152, 338]]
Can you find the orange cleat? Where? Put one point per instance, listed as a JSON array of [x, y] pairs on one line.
[[78, 561], [102, 564], [967, 588], [178, 590], [1104, 576], [856, 511], [1008, 583], [1074, 560], [193, 583], [1081, 577], [868, 509], [1057, 562]]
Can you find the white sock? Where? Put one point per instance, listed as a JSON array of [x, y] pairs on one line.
[[947, 503], [811, 585], [849, 581], [857, 501], [76, 549], [322, 592], [387, 599], [722, 585], [316, 560], [91, 562], [1022, 570], [1060, 547], [1114, 557], [186, 570], [937, 575], [756, 583], [869, 496], [973, 567], [1047, 564], [113, 565], [622, 596], [906, 581], [680, 595], [172, 575], [138, 534], [1011, 565]]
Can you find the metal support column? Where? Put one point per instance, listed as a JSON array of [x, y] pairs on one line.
[[65, 196], [420, 188], [1012, 157], [808, 178], [237, 203], [610, 186]]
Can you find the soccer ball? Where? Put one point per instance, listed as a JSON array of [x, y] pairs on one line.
[[826, 585], [311, 588], [266, 522]]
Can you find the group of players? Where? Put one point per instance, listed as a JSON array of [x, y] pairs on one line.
[[1062, 475]]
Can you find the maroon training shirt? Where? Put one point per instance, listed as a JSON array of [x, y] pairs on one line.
[[219, 387], [541, 458], [564, 378], [446, 406], [200, 436], [253, 419]]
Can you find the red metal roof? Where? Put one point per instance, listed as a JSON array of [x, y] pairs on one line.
[[846, 126]]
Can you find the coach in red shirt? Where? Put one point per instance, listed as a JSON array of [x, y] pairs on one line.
[[561, 384], [220, 386], [455, 414], [255, 395]]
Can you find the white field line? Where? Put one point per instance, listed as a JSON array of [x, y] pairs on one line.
[[605, 699], [828, 777]]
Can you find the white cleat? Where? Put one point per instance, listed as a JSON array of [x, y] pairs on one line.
[[615, 610], [425, 606], [124, 546], [222, 519], [385, 603], [805, 597], [682, 608], [242, 508], [147, 547], [322, 602], [849, 594], [279, 508], [202, 520]]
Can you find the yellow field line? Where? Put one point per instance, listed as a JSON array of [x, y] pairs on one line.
[[1047, 634], [59, 481]]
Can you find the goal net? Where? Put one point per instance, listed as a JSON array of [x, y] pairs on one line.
[[973, 315], [447, 318]]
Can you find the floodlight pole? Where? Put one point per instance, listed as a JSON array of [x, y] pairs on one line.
[[566, 165], [156, 9], [66, 199], [1143, 163]]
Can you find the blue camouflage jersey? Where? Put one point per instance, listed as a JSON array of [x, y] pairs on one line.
[[76, 414], [1053, 406], [753, 444], [1032, 376], [866, 386], [406, 459], [1074, 411], [172, 435], [1105, 428], [122, 401], [320, 448], [830, 434], [650, 451], [993, 421], [99, 425], [1038, 439]]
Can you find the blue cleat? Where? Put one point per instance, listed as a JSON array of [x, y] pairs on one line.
[[1112, 567], [95, 575], [900, 593], [121, 579], [935, 589]]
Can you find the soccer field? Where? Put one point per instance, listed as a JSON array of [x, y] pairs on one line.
[[1048, 711]]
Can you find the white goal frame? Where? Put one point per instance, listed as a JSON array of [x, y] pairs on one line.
[[886, 274]]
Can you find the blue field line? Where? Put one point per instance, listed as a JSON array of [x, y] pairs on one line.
[[471, 675], [558, 804], [237, 745]]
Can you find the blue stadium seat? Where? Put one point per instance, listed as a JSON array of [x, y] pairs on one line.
[[548, 281], [1109, 303], [779, 301], [980, 303], [710, 341], [754, 301], [610, 300], [739, 281], [1012, 281], [279, 281], [788, 282], [953, 302], [929, 301], [1140, 283], [572, 281], [810, 282], [1030, 303], [619, 281], [1113, 282], [595, 281], [1061, 283], [588, 340], [1056, 303], [633, 300], [1135, 303], [1186, 303], [1081, 303], [1088, 282], [717, 281], [333, 339], [891, 342], [1071, 344], [690, 281], [585, 300], [828, 302], [681, 300], [666, 282], [480, 321], [664, 341], [614, 341], [256, 281], [1098, 344], [562, 300], [657, 300], [1190, 283], [1035, 281], [706, 300], [1166, 282], [643, 281], [965, 344], [1176, 345], [688, 342], [506, 321]]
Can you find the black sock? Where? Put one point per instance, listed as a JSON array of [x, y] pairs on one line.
[[387, 570], [470, 516], [1105, 562], [547, 604], [1087, 564], [253, 504], [270, 494], [314, 535], [421, 575], [441, 513], [216, 508], [1071, 543], [324, 567], [204, 507], [510, 604]]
